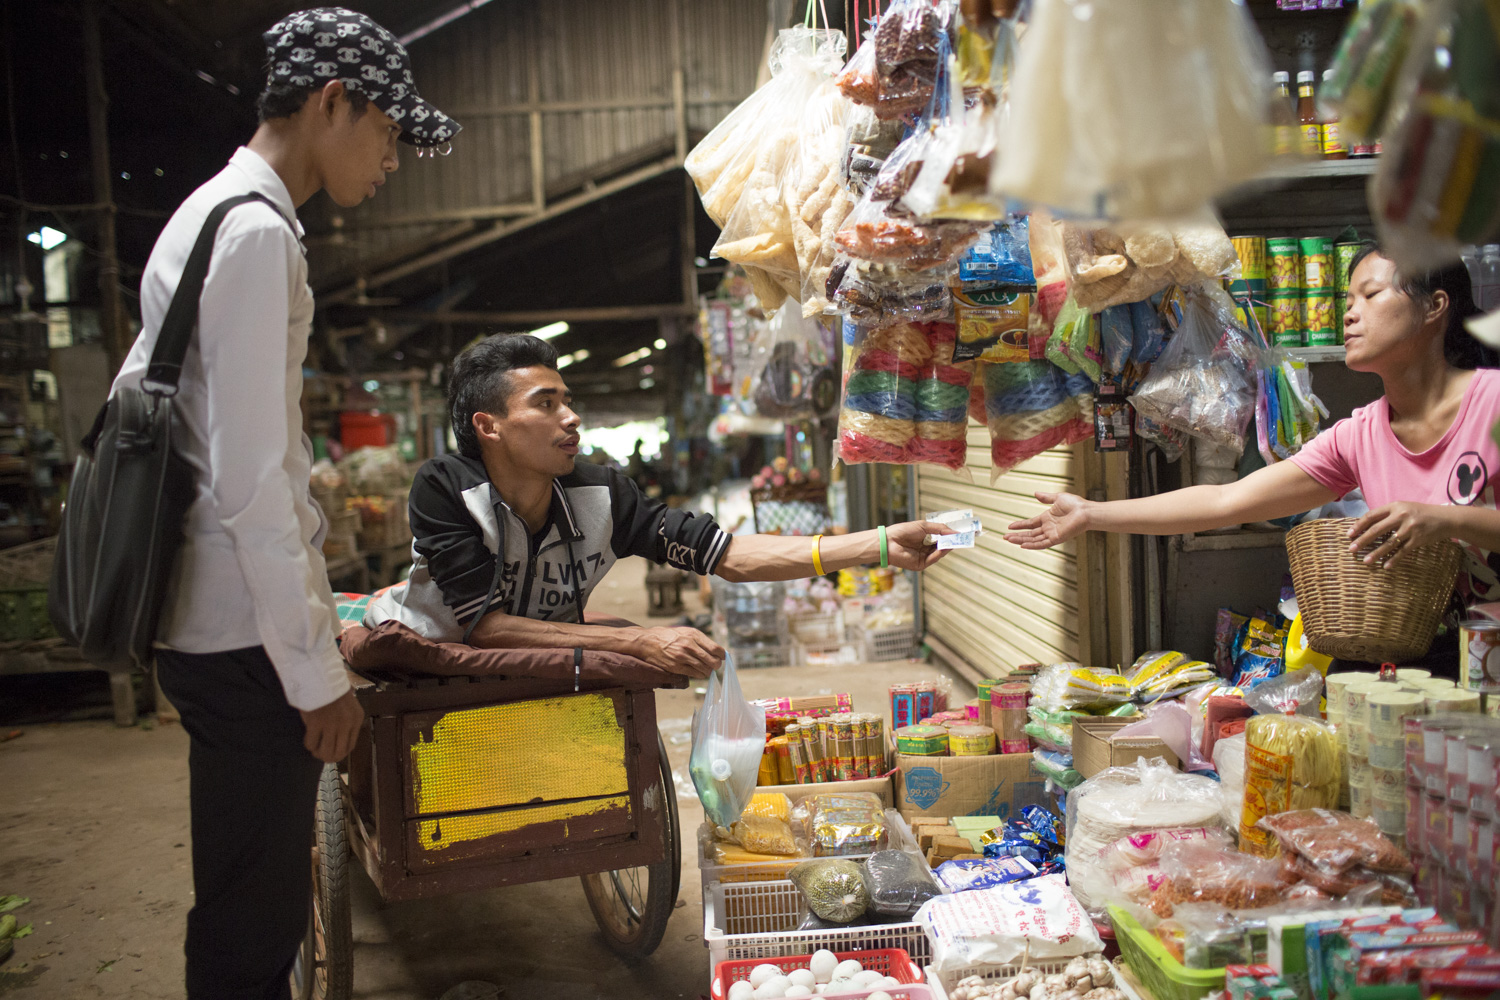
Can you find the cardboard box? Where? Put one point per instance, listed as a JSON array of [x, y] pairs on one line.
[[1093, 750], [997, 785], [880, 786]]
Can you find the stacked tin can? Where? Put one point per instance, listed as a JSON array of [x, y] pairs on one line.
[[1284, 276], [1249, 289], [1452, 772], [1356, 731], [1335, 685], [1389, 711], [1319, 317]]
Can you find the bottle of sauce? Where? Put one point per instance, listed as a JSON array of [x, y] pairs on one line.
[[1311, 144], [1333, 144], [1283, 115]]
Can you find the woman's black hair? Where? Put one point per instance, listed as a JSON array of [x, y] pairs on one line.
[[481, 380], [1461, 350]]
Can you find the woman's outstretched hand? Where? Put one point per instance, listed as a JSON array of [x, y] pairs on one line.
[[1063, 519]]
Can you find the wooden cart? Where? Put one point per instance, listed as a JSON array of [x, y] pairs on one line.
[[473, 783]]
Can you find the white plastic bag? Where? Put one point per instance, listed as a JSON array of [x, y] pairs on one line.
[[724, 160], [1037, 919], [1204, 382], [1135, 109], [729, 738], [1229, 761]]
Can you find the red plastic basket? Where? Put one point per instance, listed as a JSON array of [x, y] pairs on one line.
[[893, 962]]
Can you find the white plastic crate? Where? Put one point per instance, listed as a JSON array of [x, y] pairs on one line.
[[807, 654], [746, 920], [895, 643], [943, 984], [817, 628]]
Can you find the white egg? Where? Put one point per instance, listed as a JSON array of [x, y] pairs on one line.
[[823, 965], [869, 978], [879, 995], [798, 991], [762, 974], [780, 982], [771, 989], [888, 981], [741, 990], [848, 969], [802, 977]]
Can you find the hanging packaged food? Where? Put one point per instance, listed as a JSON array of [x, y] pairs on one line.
[[1112, 116], [1437, 188], [1204, 382], [1358, 89]]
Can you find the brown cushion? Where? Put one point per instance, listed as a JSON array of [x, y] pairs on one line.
[[392, 650]]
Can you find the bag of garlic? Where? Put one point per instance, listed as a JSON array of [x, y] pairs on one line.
[[1091, 978], [1037, 919]]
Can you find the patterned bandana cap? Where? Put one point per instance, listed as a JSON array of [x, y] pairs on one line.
[[311, 47]]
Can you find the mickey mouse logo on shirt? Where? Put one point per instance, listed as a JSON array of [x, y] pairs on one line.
[[1468, 478]]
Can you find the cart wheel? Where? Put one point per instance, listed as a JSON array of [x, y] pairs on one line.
[[324, 969], [632, 905]]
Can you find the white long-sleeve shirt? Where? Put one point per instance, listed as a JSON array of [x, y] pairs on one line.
[[249, 572]]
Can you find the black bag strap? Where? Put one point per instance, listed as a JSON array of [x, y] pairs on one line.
[[182, 315]]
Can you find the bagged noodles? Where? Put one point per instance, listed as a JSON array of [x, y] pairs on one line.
[[1291, 762]]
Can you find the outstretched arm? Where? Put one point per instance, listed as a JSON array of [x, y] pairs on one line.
[[1279, 490], [777, 557], [684, 651]]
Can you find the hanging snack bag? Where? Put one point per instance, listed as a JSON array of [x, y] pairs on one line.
[[856, 81], [1112, 115], [1032, 406], [910, 40], [942, 404], [992, 324], [723, 161], [1204, 382], [1358, 91], [1437, 187]]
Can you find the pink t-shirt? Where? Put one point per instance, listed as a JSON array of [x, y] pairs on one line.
[[1462, 468]]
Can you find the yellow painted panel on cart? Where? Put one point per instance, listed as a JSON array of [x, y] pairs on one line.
[[539, 751], [437, 834]]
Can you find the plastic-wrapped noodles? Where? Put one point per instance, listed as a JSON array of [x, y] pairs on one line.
[[1291, 762]]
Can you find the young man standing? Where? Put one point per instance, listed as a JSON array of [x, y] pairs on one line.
[[247, 651], [513, 533]]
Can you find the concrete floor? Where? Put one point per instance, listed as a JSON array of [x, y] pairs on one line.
[[94, 829]]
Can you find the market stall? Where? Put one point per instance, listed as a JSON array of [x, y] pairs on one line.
[[1009, 223]]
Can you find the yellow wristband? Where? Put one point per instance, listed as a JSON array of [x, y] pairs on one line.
[[817, 558]]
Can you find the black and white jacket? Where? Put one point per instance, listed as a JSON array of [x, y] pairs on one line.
[[461, 527]]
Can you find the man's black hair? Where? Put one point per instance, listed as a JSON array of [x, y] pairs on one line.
[[481, 380], [280, 100], [1461, 350]]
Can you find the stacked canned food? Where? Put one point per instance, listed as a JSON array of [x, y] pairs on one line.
[[1249, 289], [1452, 772], [1305, 305]]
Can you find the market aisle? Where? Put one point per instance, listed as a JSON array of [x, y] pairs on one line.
[[94, 830]]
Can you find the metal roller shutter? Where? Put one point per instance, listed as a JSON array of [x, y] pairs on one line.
[[997, 605]]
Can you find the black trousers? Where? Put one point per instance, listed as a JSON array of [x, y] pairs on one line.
[[253, 786]]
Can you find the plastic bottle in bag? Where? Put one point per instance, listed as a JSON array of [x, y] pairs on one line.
[[729, 738]]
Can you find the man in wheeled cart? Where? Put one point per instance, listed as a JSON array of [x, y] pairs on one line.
[[512, 534]]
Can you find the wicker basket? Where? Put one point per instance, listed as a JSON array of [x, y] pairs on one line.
[[1355, 611]]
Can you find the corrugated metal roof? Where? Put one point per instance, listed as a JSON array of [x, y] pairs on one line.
[[599, 73]]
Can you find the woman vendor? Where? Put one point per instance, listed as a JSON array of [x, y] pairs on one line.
[[1422, 454]]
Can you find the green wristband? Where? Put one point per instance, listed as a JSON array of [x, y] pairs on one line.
[[885, 551]]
